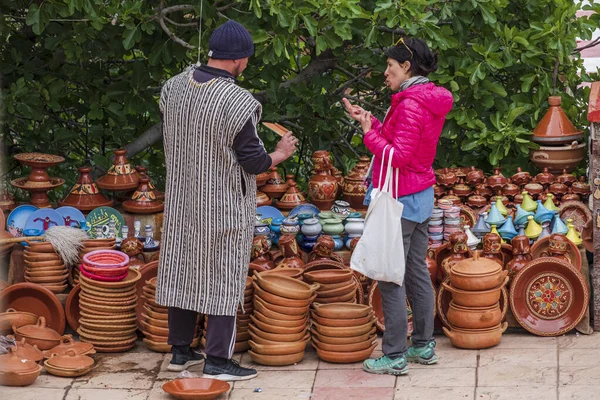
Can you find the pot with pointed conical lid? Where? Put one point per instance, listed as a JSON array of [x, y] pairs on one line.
[[142, 171], [120, 175], [85, 195], [555, 127], [143, 200]]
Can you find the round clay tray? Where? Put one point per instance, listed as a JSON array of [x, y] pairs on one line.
[[36, 299], [130, 280], [540, 249], [72, 307], [196, 388], [577, 211], [96, 289]]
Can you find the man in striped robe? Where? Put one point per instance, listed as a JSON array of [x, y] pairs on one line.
[[212, 154]]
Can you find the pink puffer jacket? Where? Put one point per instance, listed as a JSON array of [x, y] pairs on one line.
[[413, 126]]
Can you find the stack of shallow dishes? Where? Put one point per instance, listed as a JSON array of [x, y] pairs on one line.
[[44, 267], [279, 323], [342, 332], [155, 322], [107, 306], [336, 285], [93, 245], [70, 364]]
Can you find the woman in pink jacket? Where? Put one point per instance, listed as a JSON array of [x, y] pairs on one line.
[[412, 126]]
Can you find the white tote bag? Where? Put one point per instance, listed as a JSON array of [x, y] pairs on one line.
[[379, 253]]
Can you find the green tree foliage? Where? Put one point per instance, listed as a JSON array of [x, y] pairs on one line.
[[82, 77]]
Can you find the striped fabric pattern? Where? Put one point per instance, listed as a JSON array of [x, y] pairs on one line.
[[208, 220]]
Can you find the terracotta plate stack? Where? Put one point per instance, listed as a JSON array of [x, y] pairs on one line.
[[342, 332], [107, 301], [280, 319], [44, 267], [336, 285], [155, 322], [93, 245]]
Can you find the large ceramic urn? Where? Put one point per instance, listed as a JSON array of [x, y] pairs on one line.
[[120, 175], [322, 187], [85, 195], [354, 188]]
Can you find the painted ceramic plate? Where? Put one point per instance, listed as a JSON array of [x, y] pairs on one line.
[[43, 219], [540, 249], [577, 211], [100, 217], [467, 216], [71, 216], [268, 213], [548, 297], [18, 218], [304, 209]]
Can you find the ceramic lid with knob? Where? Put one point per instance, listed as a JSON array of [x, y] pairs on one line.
[[38, 331], [67, 343], [70, 361], [476, 266], [12, 362]]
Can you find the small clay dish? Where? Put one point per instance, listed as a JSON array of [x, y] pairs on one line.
[[278, 349], [343, 347], [257, 339], [328, 276], [195, 388], [344, 331], [282, 309], [295, 273], [19, 378], [350, 287], [27, 351], [41, 247], [71, 361], [157, 322], [286, 287], [345, 357], [40, 257], [341, 322], [260, 307], [155, 330], [276, 328], [349, 297], [280, 323], [281, 301], [276, 360]]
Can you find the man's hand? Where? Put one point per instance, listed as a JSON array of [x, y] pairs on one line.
[[284, 149]]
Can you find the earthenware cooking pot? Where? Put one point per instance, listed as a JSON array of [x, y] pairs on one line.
[[476, 338], [467, 298]]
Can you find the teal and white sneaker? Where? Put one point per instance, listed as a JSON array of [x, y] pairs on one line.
[[386, 365], [422, 355]]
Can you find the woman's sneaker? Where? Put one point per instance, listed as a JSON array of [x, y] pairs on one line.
[[386, 365], [228, 371], [183, 360], [422, 355]]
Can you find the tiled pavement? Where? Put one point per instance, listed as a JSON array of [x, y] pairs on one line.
[[521, 367]]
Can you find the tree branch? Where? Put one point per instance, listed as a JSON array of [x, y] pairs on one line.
[[180, 23], [397, 31], [162, 15], [593, 43], [145, 140]]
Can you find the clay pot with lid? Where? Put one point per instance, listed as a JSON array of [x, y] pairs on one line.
[[12, 318], [262, 178], [262, 199], [292, 198], [476, 273], [322, 187], [534, 189], [570, 197], [142, 171], [27, 351], [476, 201], [67, 343], [453, 198], [283, 286], [446, 177], [460, 189], [120, 175], [555, 127], [520, 177], [545, 177], [474, 177], [497, 180], [557, 158], [16, 371], [70, 361], [558, 189], [480, 298], [566, 178], [476, 338], [510, 189], [143, 200], [85, 195], [438, 191], [39, 334], [474, 317], [275, 187], [483, 190], [581, 187]]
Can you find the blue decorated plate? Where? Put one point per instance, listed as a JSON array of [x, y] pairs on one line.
[[304, 209], [43, 219], [15, 224], [71, 216], [268, 214]]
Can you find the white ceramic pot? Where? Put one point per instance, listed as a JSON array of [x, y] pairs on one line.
[[354, 226]]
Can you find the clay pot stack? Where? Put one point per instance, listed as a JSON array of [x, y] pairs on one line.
[[335, 285], [279, 324], [45, 267], [155, 323], [93, 245], [342, 332], [474, 314], [107, 301]]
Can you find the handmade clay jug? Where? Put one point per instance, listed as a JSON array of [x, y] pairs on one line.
[[521, 255], [291, 252], [492, 248], [322, 187], [323, 249]]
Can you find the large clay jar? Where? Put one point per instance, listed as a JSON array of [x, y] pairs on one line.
[[85, 195], [497, 180], [521, 250], [291, 252], [120, 175], [354, 188], [322, 187], [143, 200], [492, 248], [476, 273], [275, 187]]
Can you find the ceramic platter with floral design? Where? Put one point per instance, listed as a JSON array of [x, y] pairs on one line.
[[548, 297]]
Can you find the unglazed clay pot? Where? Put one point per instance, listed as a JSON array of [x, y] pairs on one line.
[[120, 176], [322, 188], [13, 318], [39, 334], [476, 338], [85, 195], [476, 274], [558, 158], [466, 298], [474, 317]]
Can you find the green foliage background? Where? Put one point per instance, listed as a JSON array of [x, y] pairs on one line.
[[82, 77]]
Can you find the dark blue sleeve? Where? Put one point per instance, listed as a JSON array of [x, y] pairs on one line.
[[250, 151]]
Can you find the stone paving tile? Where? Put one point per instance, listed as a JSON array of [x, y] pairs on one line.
[[451, 358], [309, 363], [279, 380], [344, 393], [45, 380], [352, 378], [578, 392], [516, 375], [580, 376], [268, 394], [437, 377], [357, 365], [163, 374], [526, 341], [106, 394], [31, 393], [119, 380], [578, 341], [533, 358], [442, 393], [522, 393], [128, 362], [579, 357]]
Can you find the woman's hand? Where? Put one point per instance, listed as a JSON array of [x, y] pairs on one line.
[[365, 121], [354, 111]]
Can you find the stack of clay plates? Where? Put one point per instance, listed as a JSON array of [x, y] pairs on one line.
[[92, 245], [336, 285], [107, 309], [44, 267], [155, 321]]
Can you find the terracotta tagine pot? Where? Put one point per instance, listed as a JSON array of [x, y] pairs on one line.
[[142, 171], [292, 198], [120, 175], [521, 250], [477, 273], [477, 201], [319, 157], [557, 158], [570, 197], [16, 371], [558, 189], [492, 248], [475, 176], [474, 317], [38, 183], [566, 178], [521, 177], [555, 127], [476, 338], [534, 189], [453, 198], [544, 178], [291, 253], [322, 187], [581, 187], [143, 200], [446, 177], [497, 180], [354, 188], [510, 189], [462, 190], [438, 191], [262, 178], [39, 334], [483, 190], [262, 199], [7, 201], [85, 195], [275, 187]]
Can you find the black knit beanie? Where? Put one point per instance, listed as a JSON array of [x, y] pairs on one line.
[[230, 41]]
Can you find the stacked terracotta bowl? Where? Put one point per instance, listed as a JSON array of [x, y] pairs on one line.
[[70, 364], [44, 267], [16, 371], [343, 332], [107, 301], [155, 323], [93, 245], [474, 315], [335, 285], [279, 324]]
